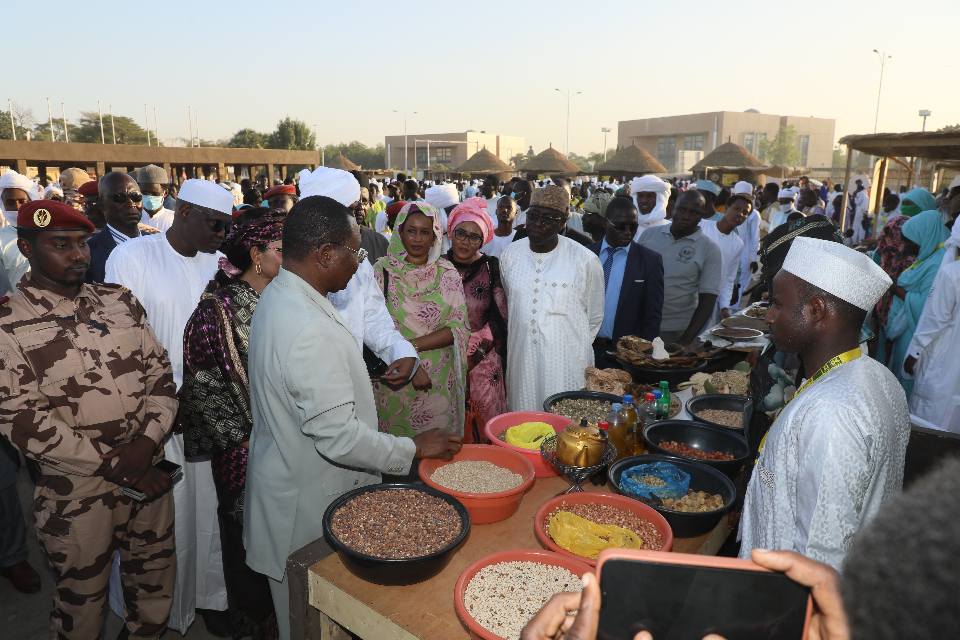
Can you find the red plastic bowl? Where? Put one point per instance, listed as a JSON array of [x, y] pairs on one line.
[[499, 424], [485, 508], [620, 502], [514, 555]]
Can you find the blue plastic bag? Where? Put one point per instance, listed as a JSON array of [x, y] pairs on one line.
[[676, 481]]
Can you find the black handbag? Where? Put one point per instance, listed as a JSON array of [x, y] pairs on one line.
[[375, 366]]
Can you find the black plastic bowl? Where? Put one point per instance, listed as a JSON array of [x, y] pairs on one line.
[[579, 395], [702, 436], [702, 478], [725, 401], [388, 571]]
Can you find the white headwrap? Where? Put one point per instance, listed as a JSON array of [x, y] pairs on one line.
[[332, 183], [651, 183], [838, 270], [442, 196], [13, 180]]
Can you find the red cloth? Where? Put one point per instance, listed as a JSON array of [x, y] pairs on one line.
[[88, 189], [44, 215], [280, 190]]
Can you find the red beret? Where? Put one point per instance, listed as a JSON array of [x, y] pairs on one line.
[[280, 190], [46, 215], [88, 189]]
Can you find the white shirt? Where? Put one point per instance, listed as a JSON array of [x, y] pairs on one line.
[[496, 246], [492, 209], [731, 251], [833, 457], [162, 219], [749, 232], [14, 263], [364, 311], [556, 308]]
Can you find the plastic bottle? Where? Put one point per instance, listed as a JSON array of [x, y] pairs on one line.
[[655, 408], [664, 402], [648, 415], [624, 438]]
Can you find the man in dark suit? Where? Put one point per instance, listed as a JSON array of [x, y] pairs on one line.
[[633, 276], [119, 201]]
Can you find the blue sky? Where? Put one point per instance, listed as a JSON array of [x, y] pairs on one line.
[[492, 65]]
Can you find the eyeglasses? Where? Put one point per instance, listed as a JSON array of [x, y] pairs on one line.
[[462, 234], [132, 196], [361, 254], [535, 217], [626, 226]]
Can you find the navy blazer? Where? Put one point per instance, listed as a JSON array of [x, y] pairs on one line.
[[101, 244], [641, 295]]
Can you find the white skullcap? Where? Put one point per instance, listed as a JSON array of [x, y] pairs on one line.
[[649, 183], [333, 183], [301, 173], [52, 189], [838, 270], [743, 188], [204, 193], [955, 182], [442, 196], [785, 193], [13, 180]]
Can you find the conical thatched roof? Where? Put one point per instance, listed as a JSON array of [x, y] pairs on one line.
[[484, 162], [551, 162], [631, 161], [729, 155], [340, 161]]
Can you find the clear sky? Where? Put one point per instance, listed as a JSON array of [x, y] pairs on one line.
[[489, 65]]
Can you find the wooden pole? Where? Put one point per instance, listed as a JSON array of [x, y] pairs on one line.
[[846, 191]]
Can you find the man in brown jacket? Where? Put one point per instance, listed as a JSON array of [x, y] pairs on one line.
[[87, 393]]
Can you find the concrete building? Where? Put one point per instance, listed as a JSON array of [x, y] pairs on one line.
[[426, 150], [679, 142]]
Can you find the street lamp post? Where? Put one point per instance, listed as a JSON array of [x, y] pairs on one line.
[[605, 131], [883, 61], [569, 95], [405, 116], [923, 113]]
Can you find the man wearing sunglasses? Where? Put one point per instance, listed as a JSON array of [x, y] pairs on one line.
[[121, 205], [168, 273], [633, 280]]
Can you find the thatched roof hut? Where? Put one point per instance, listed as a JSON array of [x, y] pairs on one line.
[[340, 161], [630, 162], [550, 162], [484, 162], [729, 157]]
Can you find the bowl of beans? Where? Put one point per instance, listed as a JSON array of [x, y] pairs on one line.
[[644, 527], [723, 410], [709, 497], [395, 534], [497, 595], [723, 449], [488, 480], [496, 428]]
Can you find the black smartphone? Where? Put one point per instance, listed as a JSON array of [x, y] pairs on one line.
[[172, 469], [678, 596]]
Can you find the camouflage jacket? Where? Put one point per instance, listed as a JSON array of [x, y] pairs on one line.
[[77, 378]]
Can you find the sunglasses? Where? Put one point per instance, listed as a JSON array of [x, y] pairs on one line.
[[461, 234], [219, 225], [535, 217], [626, 226], [360, 254], [132, 196]]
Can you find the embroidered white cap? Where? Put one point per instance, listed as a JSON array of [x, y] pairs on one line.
[[838, 270], [337, 184], [204, 193]]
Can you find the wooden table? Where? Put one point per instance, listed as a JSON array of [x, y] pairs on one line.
[[425, 610]]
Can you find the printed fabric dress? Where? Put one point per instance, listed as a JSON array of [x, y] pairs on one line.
[[423, 299]]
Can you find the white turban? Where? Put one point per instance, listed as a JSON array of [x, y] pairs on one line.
[[839, 270], [204, 193], [332, 183], [785, 194], [442, 195], [13, 180], [650, 184]]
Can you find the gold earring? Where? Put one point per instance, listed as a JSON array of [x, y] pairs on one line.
[[258, 269]]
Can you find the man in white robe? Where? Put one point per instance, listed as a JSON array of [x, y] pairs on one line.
[[555, 293], [859, 201], [749, 232], [723, 233], [835, 454], [168, 273], [786, 199], [650, 194]]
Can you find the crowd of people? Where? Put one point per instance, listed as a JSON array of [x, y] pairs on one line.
[[285, 343]]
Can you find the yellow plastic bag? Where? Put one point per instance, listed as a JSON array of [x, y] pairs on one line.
[[587, 538], [529, 435]]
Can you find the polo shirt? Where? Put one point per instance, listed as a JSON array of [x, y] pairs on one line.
[[691, 266]]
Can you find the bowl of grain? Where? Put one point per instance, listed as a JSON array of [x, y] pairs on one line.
[[497, 426], [649, 527], [721, 410], [711, 494], [593, 406], [723, 449], [497, 595], [395, 534], [488, 480]]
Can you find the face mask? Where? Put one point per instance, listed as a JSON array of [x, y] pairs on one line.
[[909, 209], [152, 203], [265, 204]]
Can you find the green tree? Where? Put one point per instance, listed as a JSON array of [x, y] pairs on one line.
[[596, 158], [366, 157], [950, 127], [22, 116], [248, 139], [782, 150], [292, 134], [579, 160], [517, 161], [87, 129], [41, 132]]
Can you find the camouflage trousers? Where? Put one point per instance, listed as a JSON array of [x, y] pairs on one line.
[[79, 538]]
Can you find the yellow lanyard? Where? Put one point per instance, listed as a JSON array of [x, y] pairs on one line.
[[828, 366]]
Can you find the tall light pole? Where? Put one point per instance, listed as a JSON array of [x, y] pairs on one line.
[[883, 61], [605, 131], [103, 139], [924, 113], [113, 126], [569, 95], [63, 116], [146, 122], [405, 116], [53, 138], [13, 124]]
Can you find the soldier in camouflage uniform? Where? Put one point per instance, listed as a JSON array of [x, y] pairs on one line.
[[87, 392]]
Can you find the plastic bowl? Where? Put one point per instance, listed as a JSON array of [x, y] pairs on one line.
[[395, 572], [725, 401], [485, 508], [700, 435], [702, 478], [497, 425], [514, 555], [620, 502]]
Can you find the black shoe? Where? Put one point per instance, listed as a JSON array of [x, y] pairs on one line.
[[217, 623]]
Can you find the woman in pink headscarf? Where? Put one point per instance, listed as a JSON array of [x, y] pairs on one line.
[[470, 228]]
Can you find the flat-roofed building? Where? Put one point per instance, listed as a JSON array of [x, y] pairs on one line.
[[427, 150], [678, 142]]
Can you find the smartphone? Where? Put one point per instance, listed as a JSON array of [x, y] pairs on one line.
[[678, 596], [172, 469]]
